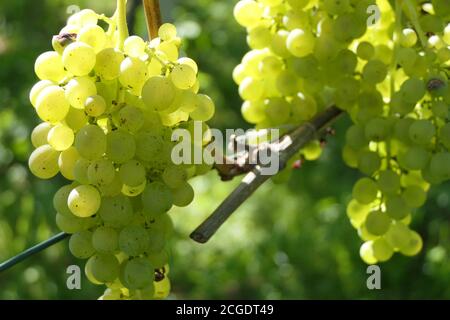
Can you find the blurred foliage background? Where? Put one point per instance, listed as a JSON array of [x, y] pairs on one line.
[[290, 241]]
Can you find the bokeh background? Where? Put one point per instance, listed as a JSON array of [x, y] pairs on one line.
[[289, 241]]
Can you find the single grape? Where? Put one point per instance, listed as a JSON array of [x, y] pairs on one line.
[[84, 201]]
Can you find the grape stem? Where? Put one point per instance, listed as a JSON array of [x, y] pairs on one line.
[[33, 250], [288, 146], [153, 16], [122, 23]]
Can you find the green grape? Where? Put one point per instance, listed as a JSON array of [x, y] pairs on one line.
[[112, 189], [79, 58], [416, 158], [130, 119], [336, 7], [183, 195], [174, 176], [398, 105], [345, 62], [105, 240], [365, 50], [413, 245], [84, 201], [401, 129], [279, 44], [91, 142], [134, 46], [133, 240], [189, 62], [37, 89], [300, 43], [88, 273], [408, 38], [80, 171], [157, 240], [160, 259], [108, 63], [78, 90], [440, 109], [51, 105], [251, 89], [422, 131], [444, 135], [388, 182], [95, 106], [253, 111], [94, 36], [80, 245], [375, 71], [377, 223], [369, 162], [60, 137], [60, 200], [110, 294], [382, 251], [158, 93], [286, 83], [183, 77], [312, 151], [349, 26], [39, 134], [72, 224], [298, 4], [133, 191], [271, 65], [49, 66], [277, 110], [414, 196], [396, 207], [43, 162], [440, 165], [116, 211], [247, 13], [157, 198], [357, 212], [67, 162], [366, 253], [148, 146], [132, 173], [167, 32], [355, 137], [101, 172], [120, 146], [137, 273], [76, 119], [377, 129], [397, 235], [85, 17], [259, 37], [204, 109], [133, 74], [104, 267], [365, 191], [413, 90]]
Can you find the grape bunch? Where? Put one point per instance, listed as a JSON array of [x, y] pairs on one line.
[[109, 103], [390, 76]]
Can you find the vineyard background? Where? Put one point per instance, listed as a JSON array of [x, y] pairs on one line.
[[289, 241]]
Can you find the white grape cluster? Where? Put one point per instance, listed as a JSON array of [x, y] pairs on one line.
[[108, 108], [391, 78]]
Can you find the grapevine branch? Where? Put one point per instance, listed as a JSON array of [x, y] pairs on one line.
[[288, 146], [153, 15]]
